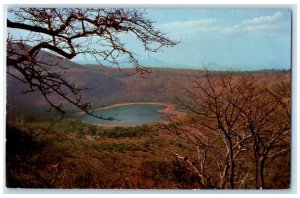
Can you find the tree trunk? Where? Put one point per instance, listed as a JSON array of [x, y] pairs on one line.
[[262, 170], [231, 177], [257, 167]]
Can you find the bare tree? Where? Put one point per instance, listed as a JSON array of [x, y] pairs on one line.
[[267, 115], [216, 128], [68, 32], [235, 129]]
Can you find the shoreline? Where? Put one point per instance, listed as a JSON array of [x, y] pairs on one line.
[[170, 109]]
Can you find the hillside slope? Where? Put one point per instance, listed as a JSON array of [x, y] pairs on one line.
[[107, 85]]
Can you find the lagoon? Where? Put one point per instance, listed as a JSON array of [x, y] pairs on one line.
[[128, 114]]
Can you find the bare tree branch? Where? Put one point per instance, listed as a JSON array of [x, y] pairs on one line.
[[67, 32]]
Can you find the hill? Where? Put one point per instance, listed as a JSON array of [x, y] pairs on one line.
[[75, 154], [109, 85]]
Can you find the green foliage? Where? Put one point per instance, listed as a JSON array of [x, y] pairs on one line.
[[93, 129], [75, 125], [120, 132], [82, 128], [79, 134]]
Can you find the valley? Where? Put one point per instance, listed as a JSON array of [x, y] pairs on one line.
[[81, 152]]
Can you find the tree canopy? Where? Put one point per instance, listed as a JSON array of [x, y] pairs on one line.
[[68, 32]]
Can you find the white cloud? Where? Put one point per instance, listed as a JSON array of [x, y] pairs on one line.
[[185, 25], [190, 28], [262, 23], [263, 19], [183, 29], [263, 27], [233, 29]]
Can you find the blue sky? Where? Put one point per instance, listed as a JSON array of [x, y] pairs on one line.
[[240, 39], [243, 39]]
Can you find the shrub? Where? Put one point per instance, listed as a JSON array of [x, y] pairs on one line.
[[167, 173], [119, 147], [93, 129], [119, 132]]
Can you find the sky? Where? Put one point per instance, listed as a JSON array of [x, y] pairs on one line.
[[239, 39], [242, 39]]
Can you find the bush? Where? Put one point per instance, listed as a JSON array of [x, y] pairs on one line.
[[93, 129], [166, 173], [119, 132], [119, 147]]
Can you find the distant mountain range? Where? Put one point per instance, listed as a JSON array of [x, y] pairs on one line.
[[152, 62], [147, 62]]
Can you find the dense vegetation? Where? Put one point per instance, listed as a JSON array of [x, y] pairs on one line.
[[74, 154]]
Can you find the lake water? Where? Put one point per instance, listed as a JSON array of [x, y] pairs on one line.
[[133, 114]]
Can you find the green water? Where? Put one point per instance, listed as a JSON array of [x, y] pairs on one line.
[[133, 114]]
